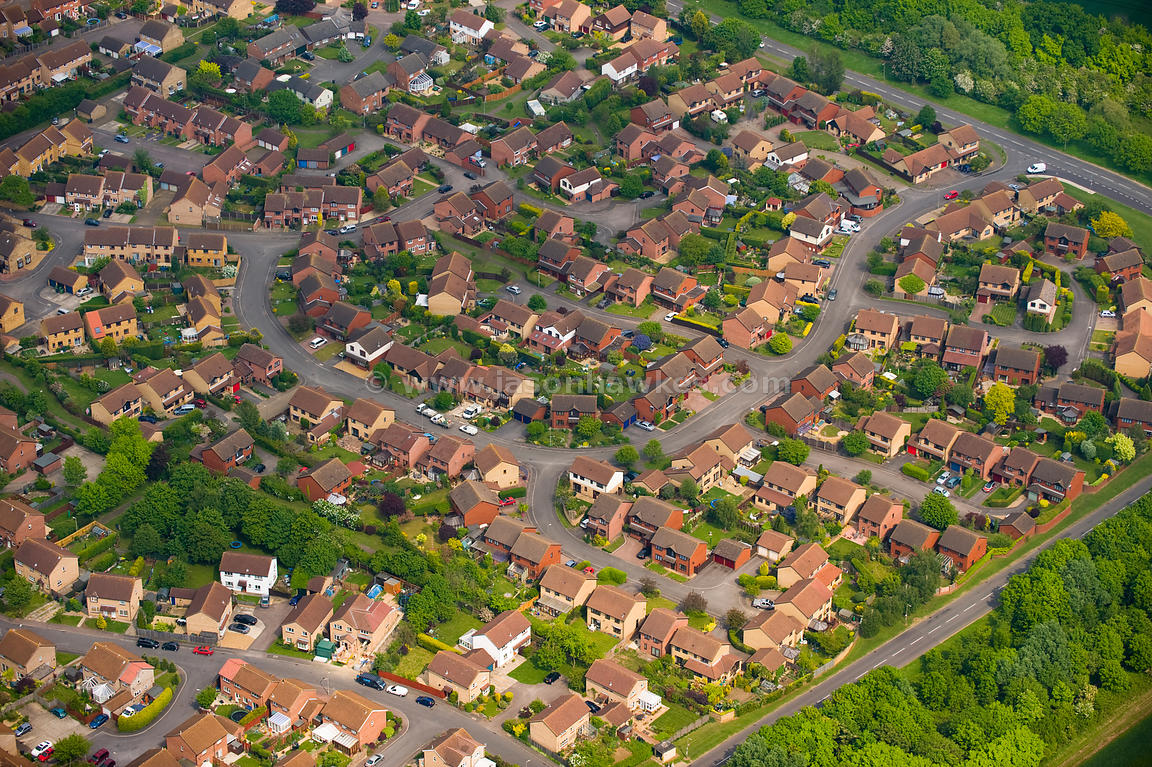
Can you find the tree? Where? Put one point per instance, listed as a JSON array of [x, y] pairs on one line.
[[780, 343], [443, 401], [1068, 123], [17, 594], [588, 426], [855, 443], [390, 506], [911, 284], [147, 541], [537, 303], [536, 430], [653, 451], [74, 470], [1122, 446], [928, 378], [248, 415], [1055, 357], [1000, 402], [1034, 113], [294, 7], [653, 329], [71, 749], [798, 71], [206, 697], [209, 69], [626, 456], [283, 107], [143, 161], [1093, 425], [359, 11], [827, 69], [938, 512], [694, 248], [699, 24], [1109, 225], [650, 589], [694, 602], [735, 619], [792, 451], [688, 489], [926, 116], [507, 354], [631, 186], [494, 13], [15, 189], [716, 161]]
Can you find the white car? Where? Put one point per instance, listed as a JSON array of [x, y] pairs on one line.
[[41, 747], [422, 408], [347, 228], [317, 342], [941, 491], [471, 411], [469, 429], [669, 316], [513, 289], [1037, 167], [421, 13], [646, 425], [412, 5], [943, 478], [374, 760], [397, 690], [1107, 313]]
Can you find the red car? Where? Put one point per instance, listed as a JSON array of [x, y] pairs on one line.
[[200, 402], [30, 223], [203, 650], [951, 195], [507, 501]]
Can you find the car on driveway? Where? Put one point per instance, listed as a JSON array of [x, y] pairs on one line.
[[42, 751], [669, 316], [1107, 314], [989, 486], [952, 195], [952, 482], [646, 425], [121, 139], [23, 729], [247, 620], [764, 604], [647, 194], [374, 760], [941, 491], [943, 478], [426, 701], [203, 650], [59, 713], [99, 720], [551, 677], [239, 628]]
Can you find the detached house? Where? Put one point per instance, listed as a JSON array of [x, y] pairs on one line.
[[966, 347], [563, 589], [50, 568], [886, 433], [615, 612]]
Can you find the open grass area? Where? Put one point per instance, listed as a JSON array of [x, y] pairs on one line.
[[526, 673], [413, 664], [818, 139], [451, 631], [673, 719], [641, 312], [434, 346], [279, 648], [1129, 748]]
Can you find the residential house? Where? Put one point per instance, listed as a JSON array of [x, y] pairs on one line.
[[975, 452], [678, 551], [452, 672], [245, 685], [795, 413], [358, 722], [24, 652], [804, 563], [366, 416], [361, 626], [467, 28], [1129, 412], [1017, 367], [998, 282], [531, 555], [772, 629], [839, 499], [325, 480], [808, 601], [122, 402], [305, 624], [501, 638], [209, 611], [657, 630], [247, 573], [962, 546], [498, 467], [910, 536], [110, 670], [879, 329], [615, 612], [50, 568], [455, 748], [254, 364], [1061, 239], [966, 347], [561, 723], [19, 522], [648, 514], [563, 589], [1055, 481], [1041, 299], [703, 655], [886, 433], [935, 440], [590, 478], [856, 368], [878, 516], [113, 597]]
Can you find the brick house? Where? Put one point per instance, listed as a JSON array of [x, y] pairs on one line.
[[678, 551], [613, 611], [962, 546], [910, 536], [1017, 367], [878, 516], [1061, 239]]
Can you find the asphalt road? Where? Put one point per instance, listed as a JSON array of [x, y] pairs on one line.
[[421, 725]]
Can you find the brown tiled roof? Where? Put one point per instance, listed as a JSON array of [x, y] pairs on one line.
[[311, 612], [806, 560], [20, 644], [612, 676], [42, 556], [329, 474], [114, 587], [911, 533], [958, 539], [202, 731], [212, 600], [808, 595], [562, 714], [613, 601], [598, 471], [564, 580], [876, 508], [246, 564], [504, 627]]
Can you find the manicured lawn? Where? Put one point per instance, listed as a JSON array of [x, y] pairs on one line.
[[67, 620], [279, 648], [434, 346], [64, 658], [818, 139], [413, 664], [641, 312], [452, 630], [707, 532], [657, 602], [526, 673], [116, 627], [328, 351], [1004, 315], [673, 719], [843, 548]]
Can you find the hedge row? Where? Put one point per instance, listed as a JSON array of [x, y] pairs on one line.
[[146, 715], [99, 547], [102, 562], [514, 492], [253, 715], [914, 471], [432, 644]]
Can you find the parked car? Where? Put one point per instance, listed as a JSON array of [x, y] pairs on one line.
[[644, 553], [121, 139], [200, 402], [570, 563], [121, 15], [646, 425], [469, 175], [395, 689], [469, 429], [943, 478], [371, 680], [58, 712], [146, 418], [317, 342], [99, 720], [832, 294], [1037, 167], [374, 760], [952, 195], [941, 491], [426, 701], [551, 677], [647, 194], [669, 316], [471, 411], [150, 644], [952, 482], [42, 751], [764, 604], [444, 188], [308, 56], [239, 628], [1107, 313], [98, 756], [246, 619], [92, 222], [184, 410], [203, 650], [989, 486], [170, 647], [30, 223], [513, 289], [259, 468], [23, 729], [821, 262]]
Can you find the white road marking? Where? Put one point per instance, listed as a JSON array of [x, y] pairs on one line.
[[969, 607], [933, 630], [914, 641]]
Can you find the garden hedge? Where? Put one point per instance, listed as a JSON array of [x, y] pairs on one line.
[[99, 547], [433, 644], [146, 715], [514, 492], [914, 471]]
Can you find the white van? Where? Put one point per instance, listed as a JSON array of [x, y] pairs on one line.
[[184, 409]]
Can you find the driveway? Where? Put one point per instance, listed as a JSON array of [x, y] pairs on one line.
[[45, 726]]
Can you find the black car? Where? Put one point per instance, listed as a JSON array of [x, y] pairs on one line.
[[552, 677], [593, 707], [107, 213], [425, 701], [469, 175], [247, 620], [646, 194], [92, 222], [239, 628], [444, 188], [371, 680], [151, 644], [821, 262], [643, 553], [170, 647], [121, 15], [146, 418], [723, 343], [259, 468], [308, 56]]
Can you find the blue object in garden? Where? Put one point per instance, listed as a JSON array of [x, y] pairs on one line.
[[374, 591], [712, 503], [236, 544]]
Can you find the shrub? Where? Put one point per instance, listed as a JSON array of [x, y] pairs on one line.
[[254, 714], [432, 644], [914, 471], [102, 562], [147, 715], [514, 492], [99, 547]]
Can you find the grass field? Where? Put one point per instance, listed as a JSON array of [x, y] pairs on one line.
[[818, 139], [1131, 748], [672, 720], [414, 663], [451, 631]]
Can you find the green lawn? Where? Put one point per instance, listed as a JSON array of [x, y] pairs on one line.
[[526, 673], [1004, 314], [672, 720], [1131, 748], [279, 648], [64, 658], [818, 139], [434, 346], [451, 631], [67, 620], [641, 312], [413, 664]]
